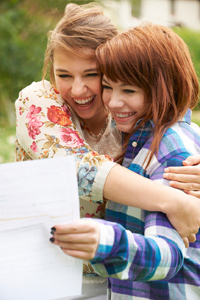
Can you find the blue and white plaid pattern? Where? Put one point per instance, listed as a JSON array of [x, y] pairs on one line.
[[140, 252]]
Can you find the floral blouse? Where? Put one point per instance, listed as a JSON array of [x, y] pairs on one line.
[[46, 129]]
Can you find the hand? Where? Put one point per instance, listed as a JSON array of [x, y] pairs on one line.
[[190, 239], [184, 215], [186, 178], [79, 239]]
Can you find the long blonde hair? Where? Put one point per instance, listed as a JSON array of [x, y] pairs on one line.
[[80, 31]]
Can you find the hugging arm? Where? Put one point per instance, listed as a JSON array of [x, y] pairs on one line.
[[118, 252], [182, 210], [45, 130]]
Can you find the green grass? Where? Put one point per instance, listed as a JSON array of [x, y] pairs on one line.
[[7, 140]]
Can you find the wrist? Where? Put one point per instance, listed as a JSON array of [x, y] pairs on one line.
[[172, 202]]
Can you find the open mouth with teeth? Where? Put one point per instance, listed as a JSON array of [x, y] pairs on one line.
[[84, 102], [124, 115]]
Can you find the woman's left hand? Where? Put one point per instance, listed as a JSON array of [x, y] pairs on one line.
[[79, 239]]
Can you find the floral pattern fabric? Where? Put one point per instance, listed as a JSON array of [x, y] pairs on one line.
[[45, 130]]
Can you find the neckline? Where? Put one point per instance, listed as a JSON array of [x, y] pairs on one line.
[[85, 127]]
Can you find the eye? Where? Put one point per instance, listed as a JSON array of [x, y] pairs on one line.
[[106, 87], [64, 76], [127, 91], [92, 74]]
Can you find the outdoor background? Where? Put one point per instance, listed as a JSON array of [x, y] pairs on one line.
[[24, 25]]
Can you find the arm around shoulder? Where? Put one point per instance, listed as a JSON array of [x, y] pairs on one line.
[[45, 130]]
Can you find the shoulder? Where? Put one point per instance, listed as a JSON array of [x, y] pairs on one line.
[[36, 86], [39, 93], [177, 143], [179, 138], [34, 89]]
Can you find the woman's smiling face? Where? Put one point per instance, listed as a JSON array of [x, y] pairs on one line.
[[78, 80], [125, 102]]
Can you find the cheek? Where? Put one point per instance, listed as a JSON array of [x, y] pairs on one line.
[[97, 87], [106, 98], [57, 82], [62, 87], [143, 107], [139, 105]]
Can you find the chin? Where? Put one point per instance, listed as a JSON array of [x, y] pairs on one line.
[[124, 129]]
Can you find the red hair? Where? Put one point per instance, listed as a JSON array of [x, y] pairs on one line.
[[157, 60]]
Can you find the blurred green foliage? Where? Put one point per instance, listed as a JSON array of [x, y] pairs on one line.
[[7, 142], [23, 30], [24, 25], [192, 39]]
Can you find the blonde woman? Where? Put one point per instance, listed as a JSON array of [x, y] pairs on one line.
[[65, 116]]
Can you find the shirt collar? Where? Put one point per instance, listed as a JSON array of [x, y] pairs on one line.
[[138, 138], [187, 117]]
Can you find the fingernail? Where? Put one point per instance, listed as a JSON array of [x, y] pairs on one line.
[[52, 232], [53, 228], [166, 170], [52, 240]]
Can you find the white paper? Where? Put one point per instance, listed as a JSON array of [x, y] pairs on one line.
[[34, 196]]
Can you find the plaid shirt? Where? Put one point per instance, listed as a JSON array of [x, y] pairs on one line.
[[140, 252]]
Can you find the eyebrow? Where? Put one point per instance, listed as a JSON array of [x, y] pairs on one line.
[[121, 85], [85, 71], [104, 80]]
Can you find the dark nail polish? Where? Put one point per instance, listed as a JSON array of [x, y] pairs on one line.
[[52, 239], [53, 229], [52, 232]]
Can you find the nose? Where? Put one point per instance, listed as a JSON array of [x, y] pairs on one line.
[[78, 87], [115, 101]]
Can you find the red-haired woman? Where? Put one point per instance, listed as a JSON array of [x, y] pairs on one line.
[[149, 85]]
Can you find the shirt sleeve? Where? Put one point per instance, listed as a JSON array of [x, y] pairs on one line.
[[45, 129], [156, 255], [127, 256]]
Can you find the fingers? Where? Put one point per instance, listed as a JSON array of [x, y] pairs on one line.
[[78, 250], [193, 193], [79, 239], [77, 227], [185, 186], [184, 215], [192, 238], [78, 254], [185, 178], [186, 242], [192, 170], [188, 181], [83, 238], [192, 160]]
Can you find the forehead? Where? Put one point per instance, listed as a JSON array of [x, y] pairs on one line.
[[111, 82], [65, 59]]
